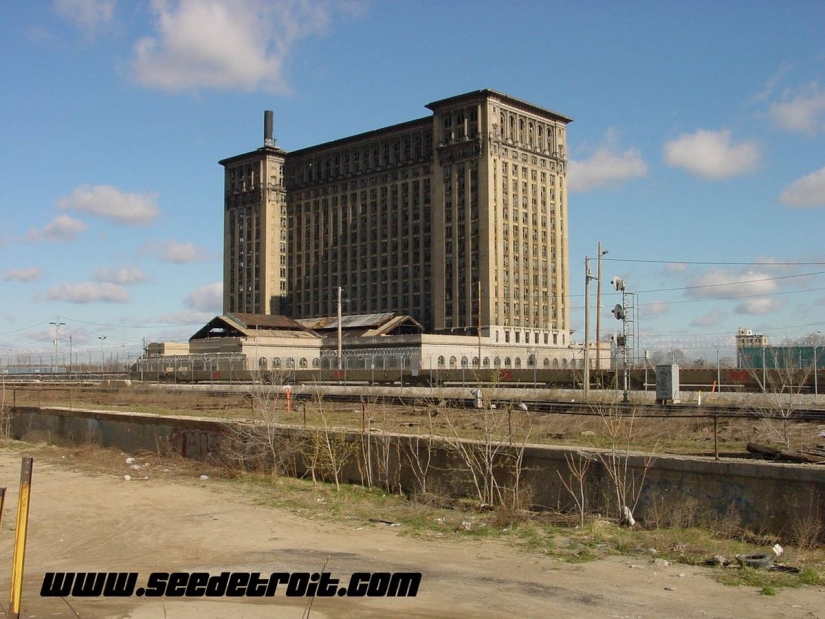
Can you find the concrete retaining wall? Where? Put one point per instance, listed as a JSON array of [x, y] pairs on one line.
[[765, 497]]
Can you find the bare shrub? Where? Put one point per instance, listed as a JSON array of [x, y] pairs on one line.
[[327, 452], [626, 483], [575, 484], [261, 442], [806, 529], [492, 463]]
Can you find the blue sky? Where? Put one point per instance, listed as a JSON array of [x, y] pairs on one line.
[[697, 151]]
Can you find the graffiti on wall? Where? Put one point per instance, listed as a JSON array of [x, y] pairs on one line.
[[722, 495]]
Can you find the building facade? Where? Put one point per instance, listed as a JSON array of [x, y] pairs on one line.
[[458, 219]]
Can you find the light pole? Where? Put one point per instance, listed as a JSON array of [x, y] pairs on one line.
[[57, 324]]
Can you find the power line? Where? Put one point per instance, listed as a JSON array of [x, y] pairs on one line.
[[711, 263]]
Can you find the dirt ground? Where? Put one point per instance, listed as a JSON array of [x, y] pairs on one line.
[[81, 520]]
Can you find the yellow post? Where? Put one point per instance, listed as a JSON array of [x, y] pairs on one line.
[[20, 539]]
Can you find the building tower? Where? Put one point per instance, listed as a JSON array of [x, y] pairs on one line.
[[458, 219], [254, 244]]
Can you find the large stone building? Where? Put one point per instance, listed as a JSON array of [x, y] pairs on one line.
[[458, 219]]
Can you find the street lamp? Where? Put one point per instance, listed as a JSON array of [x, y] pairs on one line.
[[102, 353]]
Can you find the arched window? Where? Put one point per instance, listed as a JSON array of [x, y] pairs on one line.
[[555, 363], [531, 361], [475, 362], [276, 362], [547, 363], [316, 362], [290, 363], [486, 362], [303, 363], [262, 363], [518, 362], [507, 362], [464, 362], [453, 361], [441, 361], [497, 362]]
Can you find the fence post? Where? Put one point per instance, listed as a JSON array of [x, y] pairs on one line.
[[20, 539]]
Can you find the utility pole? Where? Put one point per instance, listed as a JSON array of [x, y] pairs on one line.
[[479, 326], [340, 332], [587, 277], [599, 305]]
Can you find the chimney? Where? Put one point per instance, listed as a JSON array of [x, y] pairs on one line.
[[268, 140]]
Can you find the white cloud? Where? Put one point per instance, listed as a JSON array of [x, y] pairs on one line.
[[760, 305], [86, 14], [606, 166], [111, 203], [806, 191], [89, 292], [709, 320], [219, 44], [177, 253], [710, 154], [207, 298], [675, 268], [655, 308], [124, 276], [191, 317], [805, 112], [28, 274], [61, 228], [726, 284]]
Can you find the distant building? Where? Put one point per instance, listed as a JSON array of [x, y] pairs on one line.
[[457, 219], [754, 352]]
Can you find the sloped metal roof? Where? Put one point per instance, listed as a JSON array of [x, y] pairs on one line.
[[355, 321], [236, 325], [250, 321]]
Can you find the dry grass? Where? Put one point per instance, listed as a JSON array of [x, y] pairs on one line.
[[670, 435]]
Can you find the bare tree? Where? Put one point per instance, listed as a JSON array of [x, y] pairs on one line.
[[626, 482], [578, 466], [493, 457], [782, 380], [327, 452]]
